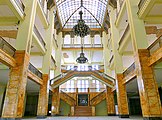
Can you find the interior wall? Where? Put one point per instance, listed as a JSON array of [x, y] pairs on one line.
[[101, 109], [64, 108]]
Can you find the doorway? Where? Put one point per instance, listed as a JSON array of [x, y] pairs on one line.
[[82, 99]]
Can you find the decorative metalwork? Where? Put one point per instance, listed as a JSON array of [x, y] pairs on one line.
[[81, 59], [81, 29]]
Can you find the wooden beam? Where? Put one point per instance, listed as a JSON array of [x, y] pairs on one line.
[[8, 33], [7, 59], [86, 48], [35, 78]]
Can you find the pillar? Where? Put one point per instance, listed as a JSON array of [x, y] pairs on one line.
[[93, 111], [15, 92], [118, 64], [147, 86], [58, 54], [110, 102], [72, 111], [43, 98], [44, 90], [55, 102]]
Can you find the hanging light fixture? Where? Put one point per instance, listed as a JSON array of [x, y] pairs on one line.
[[81, 59], [81, 29]]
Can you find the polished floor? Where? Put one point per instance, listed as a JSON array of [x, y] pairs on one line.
[[87, 118]]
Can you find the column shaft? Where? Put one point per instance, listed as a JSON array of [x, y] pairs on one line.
[[43, 98], [110, 102], [16, 88]]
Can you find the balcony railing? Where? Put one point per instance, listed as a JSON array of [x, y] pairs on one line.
[[35, 70], [124, 34], [141, 3], [155, 45], [80, 90], [39, 37], [79, 45], [6, 47], [20, 5], [42, 6], [129, 70]]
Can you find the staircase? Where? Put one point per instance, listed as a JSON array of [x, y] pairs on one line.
[[99, 98], [68, 99], [83, 111]]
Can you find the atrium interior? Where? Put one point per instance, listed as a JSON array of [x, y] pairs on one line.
[[81, 59]]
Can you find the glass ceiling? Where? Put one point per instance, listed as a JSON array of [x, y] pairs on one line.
[[93, 12]]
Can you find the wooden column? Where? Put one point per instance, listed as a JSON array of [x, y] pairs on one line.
[[43, 98], [122, 98], [16, 87], [110, 102], [148, 89], [55, 102]]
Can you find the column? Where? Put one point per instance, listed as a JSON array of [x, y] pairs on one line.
[[58, 54], [15, 92], [118, 64], [106, 53], [110, 102], [44, 91], [72, 111], [93, 111], [55, 102], [148, 89], [43, 98]]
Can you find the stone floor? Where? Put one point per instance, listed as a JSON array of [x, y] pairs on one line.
[[87, 118]]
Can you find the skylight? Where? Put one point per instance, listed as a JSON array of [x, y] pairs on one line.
[[93, 12]]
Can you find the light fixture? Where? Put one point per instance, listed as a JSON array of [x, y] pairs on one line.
[[81, 29], [81, 59]]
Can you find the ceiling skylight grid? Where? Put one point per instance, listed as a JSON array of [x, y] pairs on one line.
[[93, 12]]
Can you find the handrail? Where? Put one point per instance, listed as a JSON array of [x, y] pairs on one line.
[[78, 45], [123, 35], [67, 95], [35, 70], [98, 95], [121, 4], [4, 45], [157, 41], [20, 5], [129, 69], [39, 36], [42, 6], [105, 75]]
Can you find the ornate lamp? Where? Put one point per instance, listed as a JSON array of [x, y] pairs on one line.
[[81, 29], [81, 59]]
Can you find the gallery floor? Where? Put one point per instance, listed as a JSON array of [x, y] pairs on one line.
[[88, 118]]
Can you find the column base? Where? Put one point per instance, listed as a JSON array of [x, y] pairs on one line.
[[152, 118], [111, 114], [123, 116], [41, 117], [10, 118]]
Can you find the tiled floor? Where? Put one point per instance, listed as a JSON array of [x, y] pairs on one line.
[[87, 118]]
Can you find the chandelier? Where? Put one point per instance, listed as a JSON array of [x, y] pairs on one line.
[[81, 29], [81, 59]]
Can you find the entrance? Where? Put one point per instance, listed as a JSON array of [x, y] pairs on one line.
[[82, 99]]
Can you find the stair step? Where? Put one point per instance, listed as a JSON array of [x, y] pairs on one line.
[[83, 111]]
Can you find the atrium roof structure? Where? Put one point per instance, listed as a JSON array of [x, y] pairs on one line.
[[93, 12]]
